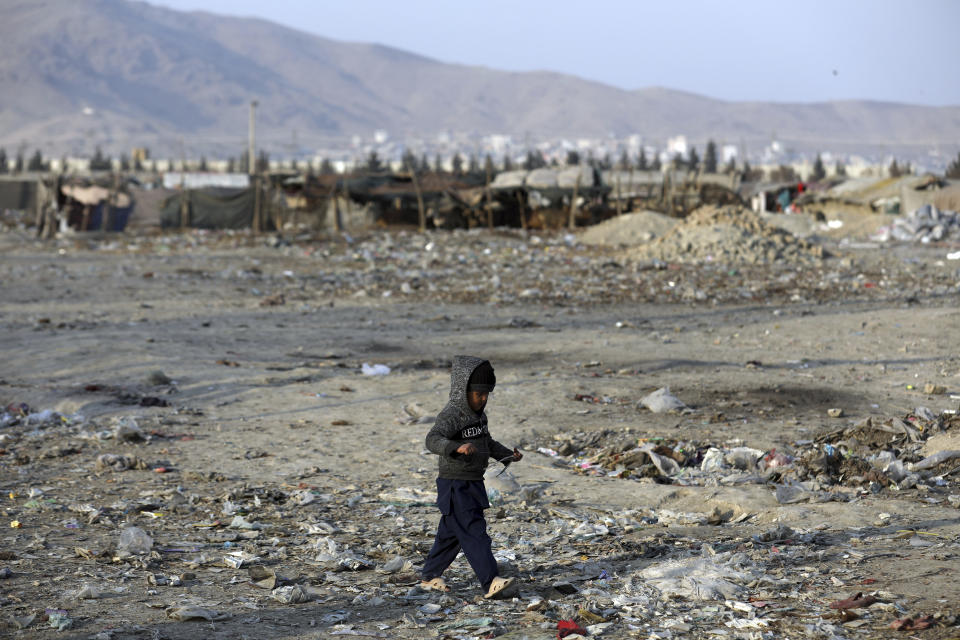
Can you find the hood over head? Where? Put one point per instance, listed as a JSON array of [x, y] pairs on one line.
[[463, 368]]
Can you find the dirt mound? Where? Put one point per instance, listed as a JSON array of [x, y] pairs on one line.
[[730, 235], [629, 229]]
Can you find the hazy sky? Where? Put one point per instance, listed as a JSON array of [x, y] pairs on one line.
[[800, 51]]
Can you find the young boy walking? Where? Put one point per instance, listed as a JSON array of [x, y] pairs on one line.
[[461, 438]]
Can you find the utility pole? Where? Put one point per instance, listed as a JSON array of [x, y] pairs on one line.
[[251, 159], [252, 166]]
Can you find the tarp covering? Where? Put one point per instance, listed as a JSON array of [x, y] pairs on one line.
[[116, 220], [18, 194], [94, 194], [546, 178], [202, 180], [211, 209]]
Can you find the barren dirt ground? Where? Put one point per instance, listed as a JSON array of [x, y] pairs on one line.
[[266, 414]]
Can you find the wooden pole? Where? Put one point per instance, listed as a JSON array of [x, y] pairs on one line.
[[346, 203], [331, 200], [487, 197], [572, 222], [421, 213], [252, 167], [109, 204], [184, 203], [523, 215], [38, 207], [251, 141], [48, 210], [256, 203], [619, 196]]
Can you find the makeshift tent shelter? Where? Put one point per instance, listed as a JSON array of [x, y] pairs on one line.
[[95, 208], [210, 209], [885, 195], [21, 192]]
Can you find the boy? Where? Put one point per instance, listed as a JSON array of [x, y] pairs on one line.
[[461, 439]]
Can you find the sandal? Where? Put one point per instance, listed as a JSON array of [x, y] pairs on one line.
[[436, 584], [499, 587]]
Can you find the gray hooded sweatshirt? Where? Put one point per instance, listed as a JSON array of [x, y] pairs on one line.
[[458, 424]]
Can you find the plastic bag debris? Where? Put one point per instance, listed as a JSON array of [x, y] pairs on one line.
[[332, 556], [157, 378], [743, 458], [792, 494], [114, 462], [239, 522], [713, 461], [134, 541], [662, 401], [291, 594], [932, 461], [88, 592], [666, 466], [189, 612], [239, 559], [375, 369], [408, 496], [22, 622], [413, 413], [58, 619], [127, 430], [262, 577], [396, 564], [696, 579]]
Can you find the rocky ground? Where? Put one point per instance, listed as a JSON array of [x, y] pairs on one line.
[[191, 442]]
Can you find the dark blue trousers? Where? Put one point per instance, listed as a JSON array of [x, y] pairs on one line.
[[462, 527]]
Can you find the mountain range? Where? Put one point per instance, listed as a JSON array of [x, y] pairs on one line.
[[119, 74]]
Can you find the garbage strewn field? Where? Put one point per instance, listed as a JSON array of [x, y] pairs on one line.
[[222, 435]]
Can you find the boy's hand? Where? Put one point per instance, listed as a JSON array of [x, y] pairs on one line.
[[517, 456], [466, 449]]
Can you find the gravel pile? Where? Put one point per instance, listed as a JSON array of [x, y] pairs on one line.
[[629, 229], [729, 235]]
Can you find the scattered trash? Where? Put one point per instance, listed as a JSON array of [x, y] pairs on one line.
[[700, 579], [913, 624], [127, 430], [134, 541], [718, 535], [395, 565], [924, 224], [662, 401], [291, 594], [22, 622], [58, 619], [114, 462], [566, 628], [157, 378], [190, 612], [88, 592], [374, 370], [262, 577], [854, 602]]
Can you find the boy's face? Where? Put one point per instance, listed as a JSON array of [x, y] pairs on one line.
[[477, 400]]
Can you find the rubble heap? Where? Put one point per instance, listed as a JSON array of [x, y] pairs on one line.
[[728, 235], [629, 229], [926, 224], [871, 456]]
